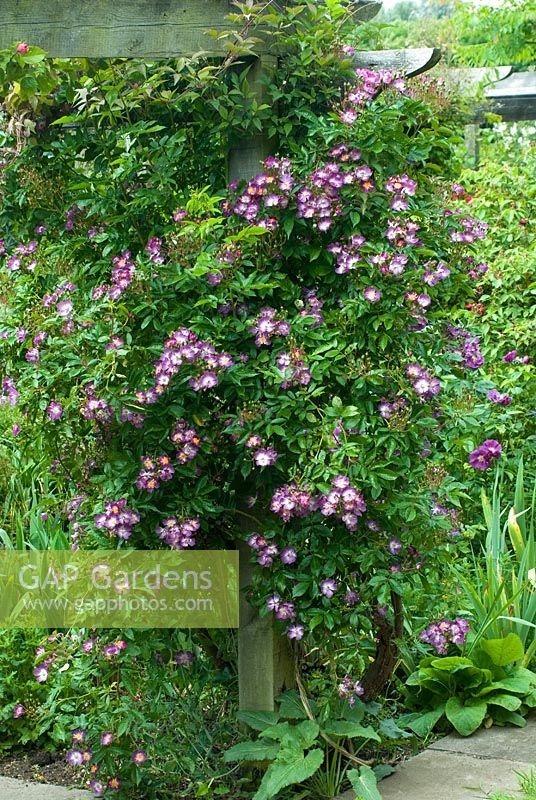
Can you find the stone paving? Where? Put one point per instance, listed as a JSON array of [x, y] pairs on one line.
[[11, 789], [455, 768]]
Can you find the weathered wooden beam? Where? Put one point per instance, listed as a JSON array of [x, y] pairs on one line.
[[514, 98], [408, 62], [127, 28], [475, 77], [114, 28]]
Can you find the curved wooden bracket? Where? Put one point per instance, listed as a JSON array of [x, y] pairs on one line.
[[408, 62]]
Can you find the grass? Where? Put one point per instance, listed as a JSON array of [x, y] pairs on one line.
[[527, 788]]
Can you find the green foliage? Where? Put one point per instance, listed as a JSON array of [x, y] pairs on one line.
[[140, 695], [364, 783], [499, 594], [470, 34], [487, 687], [298, 748]]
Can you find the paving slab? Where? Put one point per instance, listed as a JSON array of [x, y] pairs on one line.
[[458, 768], [516, 744], [11, 789]]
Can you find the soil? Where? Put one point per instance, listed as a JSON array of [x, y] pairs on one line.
[[39, 766]]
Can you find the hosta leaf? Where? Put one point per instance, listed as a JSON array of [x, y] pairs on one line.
[[452, 663], [504, 651], [422, 724], [509, 701], [466, 718]]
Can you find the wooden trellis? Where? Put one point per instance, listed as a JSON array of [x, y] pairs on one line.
[[149, 29]]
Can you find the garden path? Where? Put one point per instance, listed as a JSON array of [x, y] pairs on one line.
[[455, 768], [11, 789]]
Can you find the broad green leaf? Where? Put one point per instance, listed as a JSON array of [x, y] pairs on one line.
[[466, 718], [291, 706], [422, 724], [452, 663], [350, 730], [251, 751], [504, 651], [508, 701], [258, 720], [364, 783], [289, 767], [391, 730]]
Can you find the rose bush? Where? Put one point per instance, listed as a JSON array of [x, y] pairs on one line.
[[279, 360]]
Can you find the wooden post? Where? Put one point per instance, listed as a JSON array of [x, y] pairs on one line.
[[472, 144], [265, 662]]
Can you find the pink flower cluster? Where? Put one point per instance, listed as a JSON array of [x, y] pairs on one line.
[[63, 307], [117, 519], [344, 501], [178, 533], [313, 306], [476, 271], [123, 271], [418, 301], [23, 256], [263, 456], [183, 347], [9, 395], [154, 249], [350, 690], [432, 276], [133, 417], [389, 263], [348, 256], [497, 397], [369, 84], [268, 324], [424, 385], [402, 187], [70, 217], [290, 501], [439, 634], [467, 346], [93, 408], [393, 408], [293, 369], [402, 232], [513, 355], [155, 471], [285, 611], [320, 199], [187, 439], [472, 229], [267, 190], [482, 456], [268, 550]]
